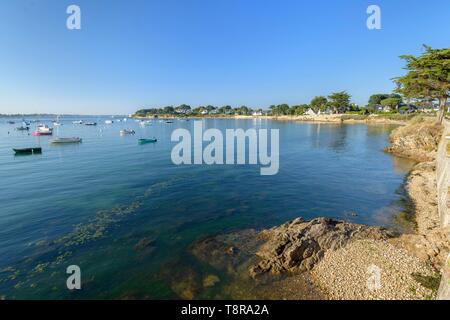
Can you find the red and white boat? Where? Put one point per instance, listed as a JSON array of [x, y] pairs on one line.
[[43, 130]]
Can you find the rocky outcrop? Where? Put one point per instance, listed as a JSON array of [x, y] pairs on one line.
[[418, 140], [298, 245]]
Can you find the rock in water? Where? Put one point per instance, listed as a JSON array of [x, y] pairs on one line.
[[298, 245], [144, 244]]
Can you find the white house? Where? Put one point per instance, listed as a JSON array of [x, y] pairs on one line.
[[311, 112]]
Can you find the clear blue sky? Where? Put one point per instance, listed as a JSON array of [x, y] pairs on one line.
[[155, 53]]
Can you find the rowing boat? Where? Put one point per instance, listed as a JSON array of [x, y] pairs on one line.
[[145, 141], [28, 151], [126, 131], [66, 140]]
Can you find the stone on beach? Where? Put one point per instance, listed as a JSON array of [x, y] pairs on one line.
[[298, 245]]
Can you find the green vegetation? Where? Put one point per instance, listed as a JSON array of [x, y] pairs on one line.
[[391, 103], [429, 282], [340, 102], [428, 78], [186, 110], [319, 103]]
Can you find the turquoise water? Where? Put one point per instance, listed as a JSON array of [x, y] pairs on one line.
[[90, 204]]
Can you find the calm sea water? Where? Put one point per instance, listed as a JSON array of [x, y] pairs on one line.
[[90, 204]]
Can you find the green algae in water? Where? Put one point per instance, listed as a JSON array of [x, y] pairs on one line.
[[82, 235]]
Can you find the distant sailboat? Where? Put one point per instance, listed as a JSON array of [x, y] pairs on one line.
[[57, 123]]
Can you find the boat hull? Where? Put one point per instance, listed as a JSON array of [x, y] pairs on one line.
[[27, 151], [66, 140], [38, 134], [145, 141], [127, 132]]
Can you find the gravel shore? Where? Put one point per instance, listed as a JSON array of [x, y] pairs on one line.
[[346, 274], [409, 265]]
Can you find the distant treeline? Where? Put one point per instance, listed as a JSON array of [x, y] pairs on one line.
[[335, 103], [20, 115], [185, 109], [46, 115]]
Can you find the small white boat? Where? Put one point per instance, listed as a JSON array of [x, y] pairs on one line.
[[43, 130], [145, 123], [126, 131], [66, 140], [78, 122], [109, 122]]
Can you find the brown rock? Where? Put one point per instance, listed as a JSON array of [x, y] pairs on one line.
[[144, 244], [299, 245]]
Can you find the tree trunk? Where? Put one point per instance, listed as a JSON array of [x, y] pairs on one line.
[[441, 113]]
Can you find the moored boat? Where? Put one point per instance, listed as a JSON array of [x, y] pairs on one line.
[[28, 151], [78, 122], [37, 133], [145, 141], [66, 140], [126, 131], [43, 130], [109, 122], [23, 128], [90, 123]]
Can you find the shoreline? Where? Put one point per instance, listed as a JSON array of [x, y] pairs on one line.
[[333, 118], [338, 266]]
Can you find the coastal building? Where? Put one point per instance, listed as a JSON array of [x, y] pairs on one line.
[[311, 112]]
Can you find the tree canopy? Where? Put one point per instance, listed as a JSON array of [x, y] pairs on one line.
[[391, 102], [428, 77], [319, 103], [339, 101]]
